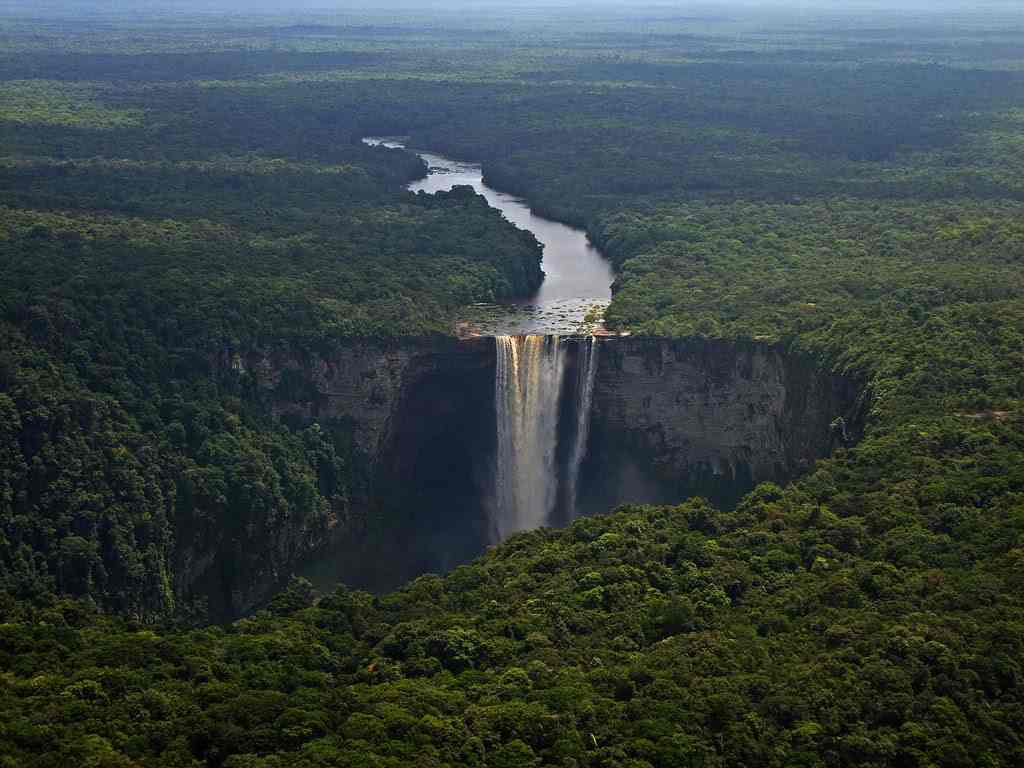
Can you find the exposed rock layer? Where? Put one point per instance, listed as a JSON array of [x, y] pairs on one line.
[[361, 392], [671, 418]]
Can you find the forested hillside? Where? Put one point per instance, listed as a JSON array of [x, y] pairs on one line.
[[846, 191]]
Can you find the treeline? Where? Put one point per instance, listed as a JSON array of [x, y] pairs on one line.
[[794, 630]]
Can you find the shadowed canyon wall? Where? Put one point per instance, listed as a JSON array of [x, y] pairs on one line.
[[669, 419], [679, 418], [392, 409]]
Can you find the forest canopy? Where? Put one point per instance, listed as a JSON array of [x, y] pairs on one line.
[[172, 193]]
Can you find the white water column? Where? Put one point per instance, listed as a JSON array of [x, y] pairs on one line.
[[527, 391], [586, 372]]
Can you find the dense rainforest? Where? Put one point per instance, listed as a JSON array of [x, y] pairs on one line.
[[845, 189]]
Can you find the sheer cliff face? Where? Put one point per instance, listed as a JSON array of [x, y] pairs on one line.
[[360, 384], [675, 418], [670, 419], [402, 412]]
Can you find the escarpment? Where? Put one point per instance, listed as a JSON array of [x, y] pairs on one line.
[[388, 407], [679, 418], [415, 419]]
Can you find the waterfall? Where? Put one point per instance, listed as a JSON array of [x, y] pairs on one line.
[[586, 370], [527, 391]]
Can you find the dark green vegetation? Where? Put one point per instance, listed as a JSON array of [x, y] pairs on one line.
[[853, 194], [133, 256]]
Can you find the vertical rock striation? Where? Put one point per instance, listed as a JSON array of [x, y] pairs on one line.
[[674, 418]]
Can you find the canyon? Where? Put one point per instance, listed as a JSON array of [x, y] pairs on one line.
[[669, 419], [455, 444]]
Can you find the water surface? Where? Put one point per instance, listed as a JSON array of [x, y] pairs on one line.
[[577, 278]]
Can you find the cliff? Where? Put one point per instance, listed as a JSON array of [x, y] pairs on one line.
[[415, 419], [676, 418], [388, 408]]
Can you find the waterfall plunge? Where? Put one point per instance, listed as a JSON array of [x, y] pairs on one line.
[[527, 389], [586, 371]]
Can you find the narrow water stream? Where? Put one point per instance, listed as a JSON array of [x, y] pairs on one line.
[[577, 278]]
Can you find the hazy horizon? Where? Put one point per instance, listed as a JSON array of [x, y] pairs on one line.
[[272, 7]]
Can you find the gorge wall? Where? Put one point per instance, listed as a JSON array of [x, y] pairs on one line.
[[669, 419], [678, 418], [391, 410]]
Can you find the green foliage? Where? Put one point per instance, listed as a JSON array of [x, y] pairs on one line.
[[746, 642], [138, 250], [850, 194], [72, 105]]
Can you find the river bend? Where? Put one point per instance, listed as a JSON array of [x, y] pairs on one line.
[[577, 278]]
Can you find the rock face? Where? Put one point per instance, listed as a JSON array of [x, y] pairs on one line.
[[361, 383], [670, 419], [675, 418], [428, 467], [384, 402]]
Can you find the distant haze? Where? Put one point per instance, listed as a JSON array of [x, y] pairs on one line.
[[30, 7]]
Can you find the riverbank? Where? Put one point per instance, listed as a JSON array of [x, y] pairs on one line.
[[577, 276]]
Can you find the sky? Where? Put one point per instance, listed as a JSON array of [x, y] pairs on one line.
[[419, 6]]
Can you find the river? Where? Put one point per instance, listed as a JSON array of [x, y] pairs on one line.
[[577, 278]]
